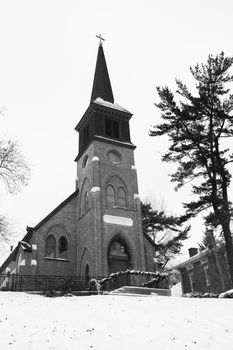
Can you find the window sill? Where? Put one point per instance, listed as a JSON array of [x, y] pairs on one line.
[[116, 207], [56, 259]]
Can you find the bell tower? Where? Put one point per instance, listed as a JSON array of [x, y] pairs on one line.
[[109, 229]]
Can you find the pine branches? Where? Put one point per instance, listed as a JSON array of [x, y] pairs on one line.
[[196, 126], [165, 230]]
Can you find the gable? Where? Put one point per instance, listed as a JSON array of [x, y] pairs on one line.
[[30, 230]]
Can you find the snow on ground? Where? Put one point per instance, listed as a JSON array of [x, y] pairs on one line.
[[176, 290], [109, 322]]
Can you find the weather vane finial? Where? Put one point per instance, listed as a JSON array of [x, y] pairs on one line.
[[100, 37]]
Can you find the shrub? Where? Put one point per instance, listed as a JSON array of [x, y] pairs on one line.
[[227, 294]]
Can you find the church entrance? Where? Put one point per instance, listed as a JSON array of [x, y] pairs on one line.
[[119, 260]]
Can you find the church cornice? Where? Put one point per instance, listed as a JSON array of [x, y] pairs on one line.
[[104, 108]]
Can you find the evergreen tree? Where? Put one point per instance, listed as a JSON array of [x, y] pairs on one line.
[[165, 231], [198, 127], [208, 240]]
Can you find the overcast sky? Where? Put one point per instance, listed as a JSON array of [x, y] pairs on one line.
[[48, 53]]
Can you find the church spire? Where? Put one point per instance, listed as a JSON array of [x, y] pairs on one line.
[[101, 84]]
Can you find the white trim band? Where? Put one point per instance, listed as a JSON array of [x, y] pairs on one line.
[[118, 220]]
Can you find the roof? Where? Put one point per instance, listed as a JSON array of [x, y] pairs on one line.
[[102, 102], [59, 207], [101, 84], [100, 105], [191, 260], [202, 254]]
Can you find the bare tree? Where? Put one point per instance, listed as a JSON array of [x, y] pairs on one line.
[[3, 229], [14, 173]]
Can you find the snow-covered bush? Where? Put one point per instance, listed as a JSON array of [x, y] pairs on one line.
[[227, 294], [155, 277], [201, 295]]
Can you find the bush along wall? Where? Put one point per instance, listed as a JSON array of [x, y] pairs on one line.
[[155, 279]]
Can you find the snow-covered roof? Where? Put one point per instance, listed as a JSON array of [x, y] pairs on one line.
[[25, 245], [192, 259], [102, 102]]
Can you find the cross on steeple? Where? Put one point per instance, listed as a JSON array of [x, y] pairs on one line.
[[100, 37]]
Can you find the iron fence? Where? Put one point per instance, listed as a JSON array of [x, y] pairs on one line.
[[44, 283], [14, 282]]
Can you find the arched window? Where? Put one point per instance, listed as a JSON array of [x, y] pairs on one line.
[[121, 197], [85, 162], [87, 275], [50, 247], [86, 202], [20, 259], [111, 195], [62, 248]]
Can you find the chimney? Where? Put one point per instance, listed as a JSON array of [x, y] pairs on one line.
[[192, 252], [11, 248]]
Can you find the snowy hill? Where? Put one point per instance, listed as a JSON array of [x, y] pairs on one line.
[[114, 322]]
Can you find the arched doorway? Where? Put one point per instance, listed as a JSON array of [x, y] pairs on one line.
[[119, 259]]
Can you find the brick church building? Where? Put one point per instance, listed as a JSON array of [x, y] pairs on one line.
[[97, 230]]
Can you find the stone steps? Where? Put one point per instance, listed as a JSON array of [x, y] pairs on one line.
[[131, 290]]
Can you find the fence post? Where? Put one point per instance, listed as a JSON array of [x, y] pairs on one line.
[[20, 282], [46, 283]]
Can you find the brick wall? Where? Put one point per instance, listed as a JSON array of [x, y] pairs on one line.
[[64, 219], [205, 274], [94, 234]]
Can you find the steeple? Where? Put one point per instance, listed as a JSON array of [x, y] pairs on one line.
[[101, 84], [103, 120]]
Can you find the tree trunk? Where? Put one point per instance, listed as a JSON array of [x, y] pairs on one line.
[[225, 217], [229, 247], [218, 267]]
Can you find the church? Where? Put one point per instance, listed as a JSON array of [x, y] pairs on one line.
[[97, 230]]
